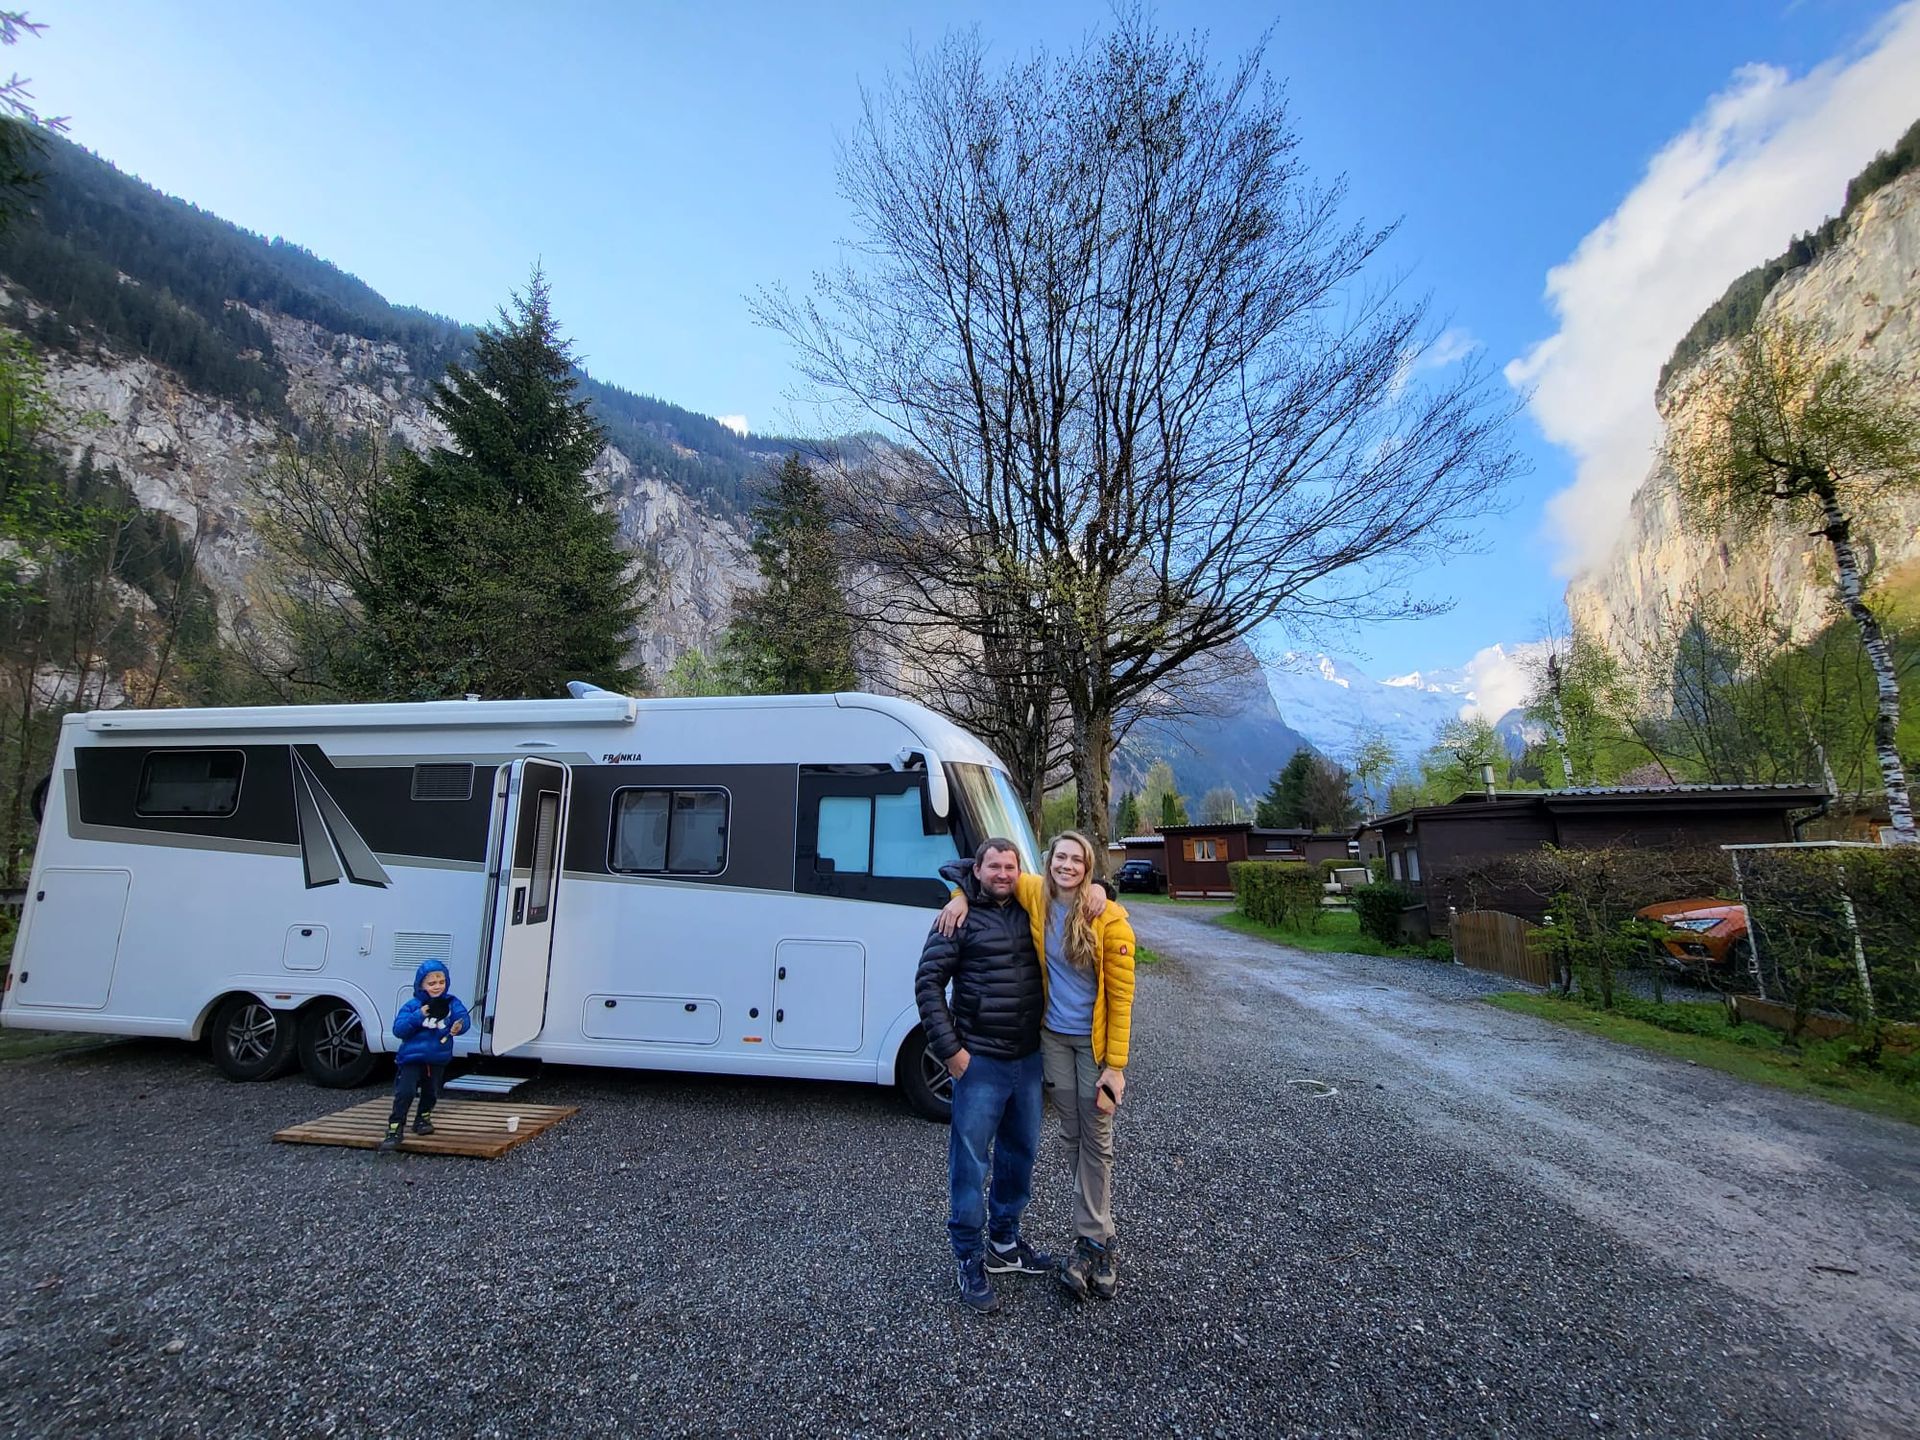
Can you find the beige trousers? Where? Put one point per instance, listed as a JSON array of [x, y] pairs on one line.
[[1070, 1076]]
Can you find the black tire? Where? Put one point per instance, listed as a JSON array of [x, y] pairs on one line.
[[924, 1080], [249, 1040], [333, 1046]]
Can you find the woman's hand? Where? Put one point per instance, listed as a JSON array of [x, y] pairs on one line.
[[952, 917], [1093, 900], [1114, 1080]]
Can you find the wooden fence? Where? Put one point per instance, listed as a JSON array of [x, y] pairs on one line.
[[1502, 945]]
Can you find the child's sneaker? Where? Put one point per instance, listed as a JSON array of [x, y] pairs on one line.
[[391, 1140], [423, 1125]]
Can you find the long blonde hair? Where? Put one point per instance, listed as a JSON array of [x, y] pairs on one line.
[[1082, 950]]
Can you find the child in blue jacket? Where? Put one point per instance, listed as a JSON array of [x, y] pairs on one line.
[[425, 1027]]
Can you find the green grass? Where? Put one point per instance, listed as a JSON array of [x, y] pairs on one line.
[[24, 1044], [1702, 1034], [1339, 932], [1144, 956], [1131, 898]]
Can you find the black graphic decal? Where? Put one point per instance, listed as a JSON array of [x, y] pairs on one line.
[[328, 840]]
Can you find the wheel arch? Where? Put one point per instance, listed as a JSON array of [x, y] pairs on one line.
[[898, 1034], [300, 999]]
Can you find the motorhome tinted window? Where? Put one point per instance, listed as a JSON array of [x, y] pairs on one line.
[[901, 845], [675, 832], [546, 832], [846, 832], [190, 782]]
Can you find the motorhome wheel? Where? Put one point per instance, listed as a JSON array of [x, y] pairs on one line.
[[249, 1041], [333, 1046], [923, 1077]]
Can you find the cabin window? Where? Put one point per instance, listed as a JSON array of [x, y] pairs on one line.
[[866, 833], [1393, 866], [1203, 850], [204, 784], [669, 832], [1413, 866], [443, 782], [546, 831]]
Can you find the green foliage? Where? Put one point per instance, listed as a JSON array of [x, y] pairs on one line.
[[1059, 811], [492, 567], [1160, 796], [1127, 816], [1732, 315], [698, 673], [1327, 867], [1581, 697], [1284, 806], [1373, 761], [1453, 765], [1281, 893], [1379, 905], [1809, 908], [793, 637], [1220, 806]]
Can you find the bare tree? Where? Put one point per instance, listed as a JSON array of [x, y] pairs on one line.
[[1788, 425], [1148, 403]]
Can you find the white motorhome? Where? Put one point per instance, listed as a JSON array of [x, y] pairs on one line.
[[732, 885]]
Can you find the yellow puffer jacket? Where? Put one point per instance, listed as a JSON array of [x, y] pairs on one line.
[[1113, 994]]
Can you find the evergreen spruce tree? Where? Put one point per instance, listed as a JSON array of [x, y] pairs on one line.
[[793, 637], [494, 567], [1284, 805], [1129, 816]]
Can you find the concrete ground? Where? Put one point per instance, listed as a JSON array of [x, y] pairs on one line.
[[1353, 1200]]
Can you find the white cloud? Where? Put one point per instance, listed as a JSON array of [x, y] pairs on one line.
[[1767, 159], [1449, 347], [735, 423], [1498, 677]]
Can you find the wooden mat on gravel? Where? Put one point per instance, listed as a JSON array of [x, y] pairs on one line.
[[479, 1129]]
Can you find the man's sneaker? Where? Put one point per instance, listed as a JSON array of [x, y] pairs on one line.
[[975, 1293], [1076, 1271], [1017, 1257], [1106, 1270], [391, 1140], [423, 1125]]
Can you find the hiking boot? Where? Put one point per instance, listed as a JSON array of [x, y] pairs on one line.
[[423, 1125], [391, 1140], [1106, 1270], [1076, 1271], [1017, 1257], [975, 1293]]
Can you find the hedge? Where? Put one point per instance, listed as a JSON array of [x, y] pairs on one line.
[[1285, 893], [1378, 907], [1836, 929]]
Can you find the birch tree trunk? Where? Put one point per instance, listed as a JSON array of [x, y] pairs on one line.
[[1886, 721]]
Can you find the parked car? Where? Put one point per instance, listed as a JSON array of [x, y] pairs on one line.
[[1703, 932], [1140, 875]]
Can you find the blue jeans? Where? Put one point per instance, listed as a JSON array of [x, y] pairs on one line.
[[995, 1104]]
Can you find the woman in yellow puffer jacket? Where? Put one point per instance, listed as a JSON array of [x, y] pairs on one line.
[[1086, 966]]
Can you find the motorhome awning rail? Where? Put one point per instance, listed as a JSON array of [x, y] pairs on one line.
[[596, 710]]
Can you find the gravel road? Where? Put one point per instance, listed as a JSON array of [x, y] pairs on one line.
[[1491, 1227]]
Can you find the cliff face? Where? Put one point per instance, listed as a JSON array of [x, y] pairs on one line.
[[190, 457], [1863, 296]]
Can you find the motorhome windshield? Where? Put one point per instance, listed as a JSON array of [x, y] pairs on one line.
[[992, 808]]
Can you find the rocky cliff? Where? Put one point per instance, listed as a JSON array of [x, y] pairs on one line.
[[1862, 294], [190, 455]]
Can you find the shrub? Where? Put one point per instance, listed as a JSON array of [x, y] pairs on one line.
[[1378, 907], [1327, 867], [1284, 893], [1836, 929], [1438, 950]]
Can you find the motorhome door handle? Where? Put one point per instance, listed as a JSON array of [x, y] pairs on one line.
[[519, 903]]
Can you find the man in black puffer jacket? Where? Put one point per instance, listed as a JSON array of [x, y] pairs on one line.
[[989, 1038]]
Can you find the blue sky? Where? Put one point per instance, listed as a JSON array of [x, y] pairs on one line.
[[662, 161]]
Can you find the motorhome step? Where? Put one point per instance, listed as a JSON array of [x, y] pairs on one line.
[[477, 1129], [486, 1084]]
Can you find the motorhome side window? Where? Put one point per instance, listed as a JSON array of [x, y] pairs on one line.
[[200, 783], [669, 832], [880, 835], [865, 833]]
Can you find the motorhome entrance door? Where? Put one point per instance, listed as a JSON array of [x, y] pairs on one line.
[[526, 894]]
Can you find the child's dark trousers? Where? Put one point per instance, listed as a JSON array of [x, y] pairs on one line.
[[416, 1075]]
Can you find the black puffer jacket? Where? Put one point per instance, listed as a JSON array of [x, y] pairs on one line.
[[997, 998]]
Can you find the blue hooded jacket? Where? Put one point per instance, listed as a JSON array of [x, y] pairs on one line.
[[424, 1040]]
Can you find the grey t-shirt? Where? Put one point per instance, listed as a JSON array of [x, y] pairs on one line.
[[1069, 992]]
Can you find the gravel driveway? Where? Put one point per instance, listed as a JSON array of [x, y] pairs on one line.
[[1493, 1227]]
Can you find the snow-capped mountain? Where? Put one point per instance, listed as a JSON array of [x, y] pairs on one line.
[[1333, 702]]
